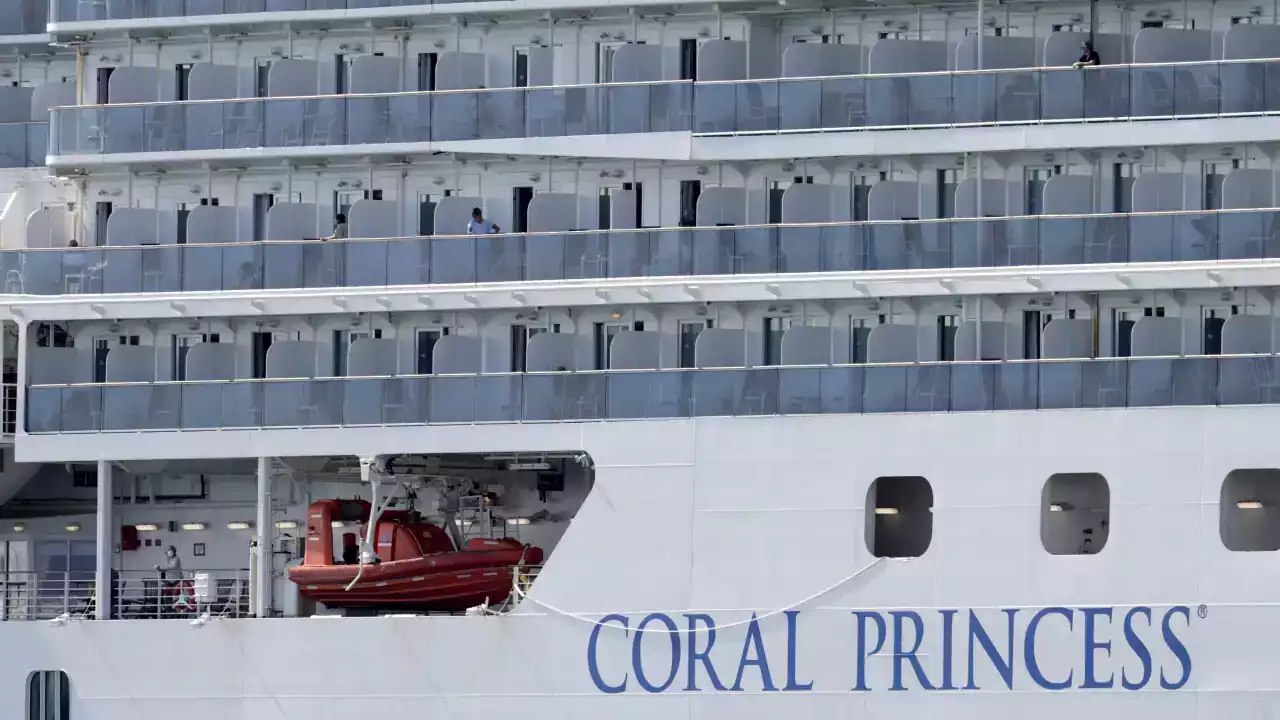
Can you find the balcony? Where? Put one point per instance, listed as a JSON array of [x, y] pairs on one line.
[[23, 144], [90, 11], [775, 106], [673, 252], [379, 120], [22, 20], [660, 394]]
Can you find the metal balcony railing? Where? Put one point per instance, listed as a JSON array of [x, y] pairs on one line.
[[23, 145], [1041, 240], [98, 10], [656, 394], [8, 409], [137, 595], [782, 105]]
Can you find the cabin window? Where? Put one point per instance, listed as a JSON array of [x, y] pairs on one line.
[[899, 516], [1247, 520], [1075, 514], [48, 695]]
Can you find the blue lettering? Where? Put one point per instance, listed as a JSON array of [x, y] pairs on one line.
[[636, 656], [792, 685], [1003, 665], [863, 616], [696, 656], [948, 628], [900, 654], [754, 641], [1176, 646], [1139, 649], [592, 667], [1029, 648], [1091, 646], [914, 643]]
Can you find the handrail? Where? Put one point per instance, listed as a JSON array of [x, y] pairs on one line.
[[135, 594], [362, 96], [632, 371], [754, 81], [678, 228]]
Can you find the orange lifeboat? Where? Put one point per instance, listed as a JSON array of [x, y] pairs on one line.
[[419, 568]]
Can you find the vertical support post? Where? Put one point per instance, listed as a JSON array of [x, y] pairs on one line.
[[262, 559], [978, 340], [4, 391], [1093, 21], [982, 14], [20, 422], [370, 475], [977, 195], [105, 544]]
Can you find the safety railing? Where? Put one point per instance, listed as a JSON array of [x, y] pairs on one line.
[[24, 17], [670, 252], [23, 144], [45, 595], [8, 409], [632, 395], [97, 10], [447, 115], [51, 595], [854, 102]]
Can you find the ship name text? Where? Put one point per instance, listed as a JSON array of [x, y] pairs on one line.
[[1053, 648]]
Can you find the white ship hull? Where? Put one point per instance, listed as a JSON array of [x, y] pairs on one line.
[[708, 522]]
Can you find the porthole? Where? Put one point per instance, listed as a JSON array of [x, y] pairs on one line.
[[1075, 514], [1247, 520], [899, 516]]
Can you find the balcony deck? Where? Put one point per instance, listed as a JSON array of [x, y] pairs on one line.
[[1031, 241]]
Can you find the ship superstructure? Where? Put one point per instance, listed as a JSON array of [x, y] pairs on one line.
[[575, 359]]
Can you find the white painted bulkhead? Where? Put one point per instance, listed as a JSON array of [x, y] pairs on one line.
[[732, 516]]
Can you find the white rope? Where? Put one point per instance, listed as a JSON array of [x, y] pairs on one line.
[[583, 617]]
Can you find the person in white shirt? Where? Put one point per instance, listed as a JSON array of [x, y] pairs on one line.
[[339, 228], [480, 226]]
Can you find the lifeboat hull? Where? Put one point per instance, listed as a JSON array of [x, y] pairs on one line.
[[450, 581]]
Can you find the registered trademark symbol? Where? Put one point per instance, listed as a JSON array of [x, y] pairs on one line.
[[1202, 611]]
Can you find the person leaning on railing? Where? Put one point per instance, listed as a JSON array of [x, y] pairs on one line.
[[1088, 56], [339, 228]]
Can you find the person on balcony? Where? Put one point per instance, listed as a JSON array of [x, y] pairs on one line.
[[171, 571], [1088, 56], [480, 226], [339, 227], [174, 597]]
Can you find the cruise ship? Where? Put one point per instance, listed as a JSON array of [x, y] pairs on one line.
[[582, 359]]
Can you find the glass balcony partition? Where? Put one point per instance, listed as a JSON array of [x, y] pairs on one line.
[[24, 17], [85, 11], [988, 97], [951, 99], [667, 252], [342, 120], [23, 145], [628, 395]]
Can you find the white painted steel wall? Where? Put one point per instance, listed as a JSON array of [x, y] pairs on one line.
[[727, 516]]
